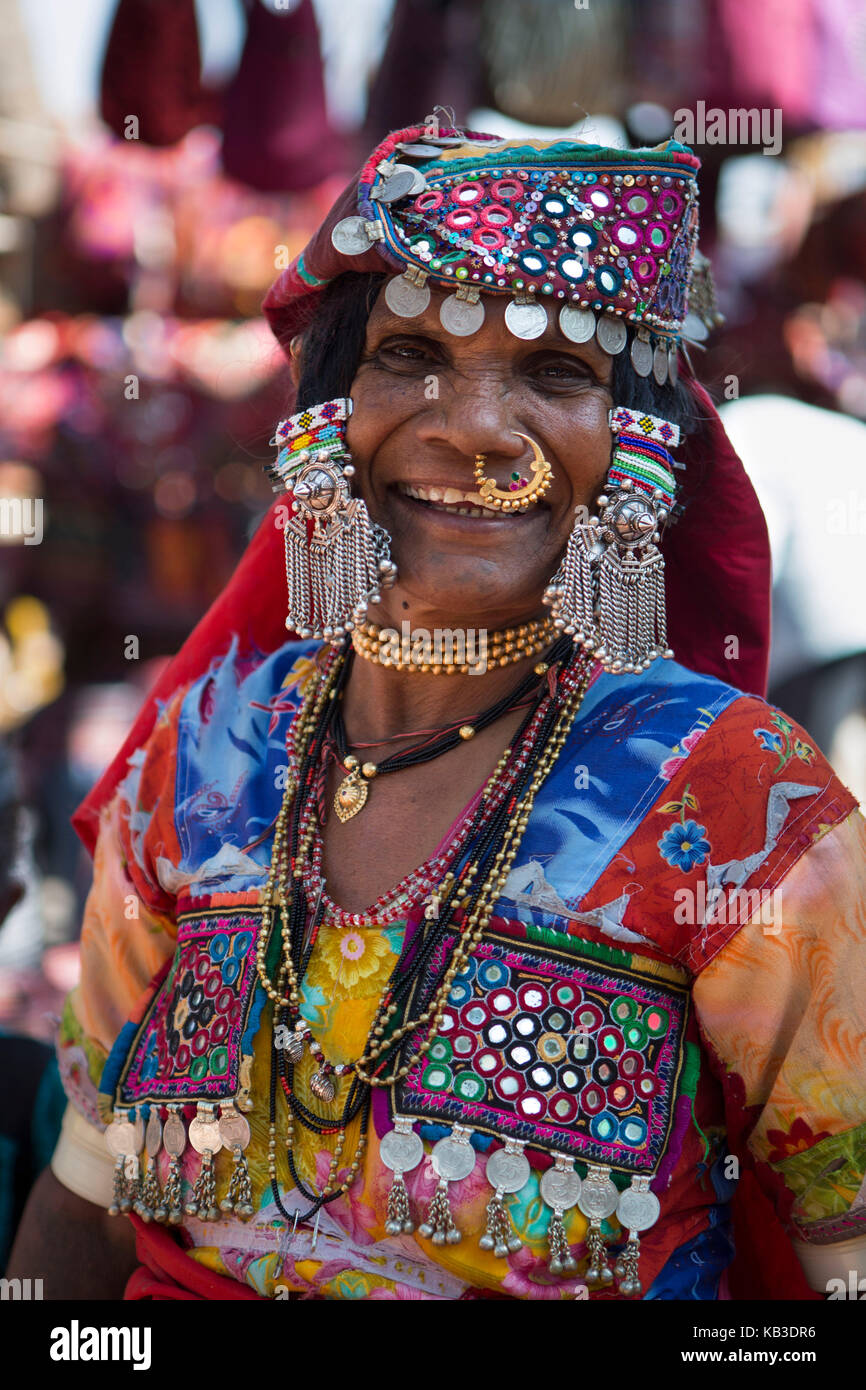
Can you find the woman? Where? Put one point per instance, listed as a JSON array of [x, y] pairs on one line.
[[628, 962]]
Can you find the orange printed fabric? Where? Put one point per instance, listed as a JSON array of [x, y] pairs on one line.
[[747, 794], [782, 1010]]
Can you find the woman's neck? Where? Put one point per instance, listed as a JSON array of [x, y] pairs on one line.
[[383, 702]]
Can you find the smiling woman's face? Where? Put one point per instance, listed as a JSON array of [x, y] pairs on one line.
[[425, 403]]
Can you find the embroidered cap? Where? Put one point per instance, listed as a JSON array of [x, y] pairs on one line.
[[590, 237]]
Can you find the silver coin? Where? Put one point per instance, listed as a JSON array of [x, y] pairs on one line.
[[507, 1172], [577, 324], [673, 365], [637, 1209], [660, 364], [641, 356], [598, 1200], [174, 1135], [234, 1130], [401, 1152], [560, 1188], [695, 328], [456, 140], [453, 1160], [460, 317], [397, 185], [120, 1138], [405, 298], [350, 236], [525, 320], [131, 1167], [612, 334], [204, 1135], [420, 151], [153, 1133]]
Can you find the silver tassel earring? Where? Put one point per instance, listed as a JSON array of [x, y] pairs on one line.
[[609, 591], [337, 559]]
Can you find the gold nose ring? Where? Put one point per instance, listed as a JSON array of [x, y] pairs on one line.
[[521, 492]]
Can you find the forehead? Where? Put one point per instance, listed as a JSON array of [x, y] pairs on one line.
[[494, 331]]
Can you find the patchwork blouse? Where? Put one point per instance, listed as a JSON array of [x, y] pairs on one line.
[[672, 986]]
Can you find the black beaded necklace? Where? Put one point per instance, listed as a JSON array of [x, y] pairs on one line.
[[457, 895], [352, 793]]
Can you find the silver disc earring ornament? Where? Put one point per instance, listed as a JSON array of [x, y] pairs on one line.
[[337, 559]]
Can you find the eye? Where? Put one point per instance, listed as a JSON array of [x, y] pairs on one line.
[[557, 373], [405, 352]]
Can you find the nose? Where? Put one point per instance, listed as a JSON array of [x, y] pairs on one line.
[[474, 419]]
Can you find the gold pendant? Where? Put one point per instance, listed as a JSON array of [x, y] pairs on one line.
[[351, 795]]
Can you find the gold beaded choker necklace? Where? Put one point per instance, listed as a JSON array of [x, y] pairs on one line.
[[446, 655]]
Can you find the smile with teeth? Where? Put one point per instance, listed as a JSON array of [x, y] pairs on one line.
[[450, 499]]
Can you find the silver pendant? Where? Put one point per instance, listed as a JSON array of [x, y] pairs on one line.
[[598, 1195], [350, 236], [405, 298], [322, 1086], [294, 1048], [120, 1137], [174, 1135], [460, 316], [641, 355], [234, 1129], [673, 365], [612, 334], [560, 1186], [577, 324], [153, 1133], [526, 319], [453, 1158], [660, 364], [401, 1149], [204, 1131], [508, 1169], [638, 1208]]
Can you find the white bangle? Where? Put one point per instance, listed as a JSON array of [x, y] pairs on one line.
[[844, 1260], [81, 1161]]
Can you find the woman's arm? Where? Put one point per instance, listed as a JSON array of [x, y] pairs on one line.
[[782, 1008], [73, 1246]]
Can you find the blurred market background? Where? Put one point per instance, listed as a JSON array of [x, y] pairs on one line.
[[161, 160]]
